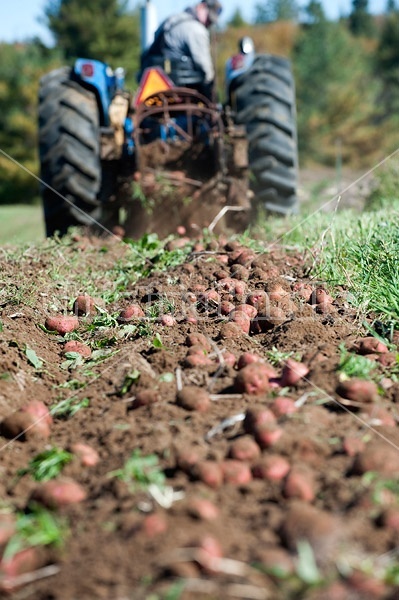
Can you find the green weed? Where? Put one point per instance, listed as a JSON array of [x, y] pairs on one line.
[[355, 365], [128, 381], [66, 409], [139, 472], [47, 465], [38, 527]]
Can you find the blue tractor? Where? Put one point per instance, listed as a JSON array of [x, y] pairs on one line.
[[167, 155]]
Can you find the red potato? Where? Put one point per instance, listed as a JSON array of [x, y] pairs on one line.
[[358, 390], [209, 553], [181, 230], [259, 300], [222, 274], [88, 456], [229, 359], [201, 508], [255, 417], [22, 426], [227, 285], [84, 305], [145, 398], [370, 345], [198, 247], [226, 307], [367, 585], [197, 350], [276, 293], [210, 297], [230, 331], [242, 320], [39, 411], [191, 318], [320, 295], [58, 493], [253, 379], [78, 347], [271, 467], [249, 310], [209, 472], [25, 561], [239, 272], [177, 243], [272, 317], [293, 372], [283, 407], [193, 398], [300, 484], [387, 359], [244, 449], [353, 445], [62, 324], [321, 529], [186, 458], [377, 415], [378, 456], [278, 563], [198, 287], [302, 290], [245, 258], [197, 360], [236, 472], [267, 435], [130, 313], [247, 359], [198, 339], [154, 525], [167, 320]]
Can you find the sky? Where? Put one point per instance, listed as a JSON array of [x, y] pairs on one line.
[[20, 19]]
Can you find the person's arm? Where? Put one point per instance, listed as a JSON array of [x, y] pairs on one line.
[[198, 42]]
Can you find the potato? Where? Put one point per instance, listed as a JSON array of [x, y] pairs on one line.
[[293, 372], [167, 320], [209, 472], [270, 318], [353, 445], [145, 397], [24, 561], [130, 313], [192, 397], [230, 330], [154, 525], [62, 324], [358, 390], [198, 339], [320, 296], [370, 345], [23, 425], [282, 407], [88, 456], [277, 563], [242, 320], [204, 509], [368, 585], [84, 305], [267, 435], [247, 359], [236, 472], [244, 448], [302, 290], [186, 458], [58, 493], [197, 350], [229, 359], [249, 310], [226, 307], [276, 292], [197, 360], [259, 300], [221, 274], [255, 417], [300, 484], [377, 456], [181, 230], [253, 379], [38, 410], [78, 347], [209, 551], [390, 519], [239, 272], [271, 467], [377, 415]]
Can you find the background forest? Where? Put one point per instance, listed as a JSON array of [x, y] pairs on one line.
[[347, 76]]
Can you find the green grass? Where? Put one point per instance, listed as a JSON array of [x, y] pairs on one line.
[[20, 224]]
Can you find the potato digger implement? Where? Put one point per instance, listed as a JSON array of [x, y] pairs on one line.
[[167, 156]]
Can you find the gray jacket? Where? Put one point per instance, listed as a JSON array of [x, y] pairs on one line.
[[184, 35]]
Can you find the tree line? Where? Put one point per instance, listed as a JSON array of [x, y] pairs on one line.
[[346, 71]]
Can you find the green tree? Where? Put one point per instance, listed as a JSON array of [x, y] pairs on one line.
[[360, 20], [104, 30], [336, 90], [387, 63], [237, 20], [21, 66], [276, 10]]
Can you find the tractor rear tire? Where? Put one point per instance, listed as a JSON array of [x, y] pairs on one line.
[[69, 150], [263, 99]]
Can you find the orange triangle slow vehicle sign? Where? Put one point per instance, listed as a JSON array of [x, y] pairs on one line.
[[153, 81]]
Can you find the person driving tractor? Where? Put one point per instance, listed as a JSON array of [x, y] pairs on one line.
[[182, 47]]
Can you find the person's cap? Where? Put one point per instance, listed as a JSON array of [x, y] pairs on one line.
[[215, 9]]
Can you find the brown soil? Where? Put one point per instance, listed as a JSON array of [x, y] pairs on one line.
[[123, 544]]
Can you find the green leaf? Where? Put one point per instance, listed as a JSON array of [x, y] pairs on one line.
[[307, 568], [33, 358], [167, 378], [157, 341]]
